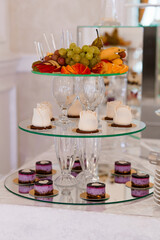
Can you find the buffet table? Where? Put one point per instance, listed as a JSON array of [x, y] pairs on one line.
[[28, 219]]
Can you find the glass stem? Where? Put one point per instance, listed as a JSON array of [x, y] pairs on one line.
[[64, 113]]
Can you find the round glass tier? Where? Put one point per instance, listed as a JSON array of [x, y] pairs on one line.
[[72, 196], [105, 130], [79, 75]]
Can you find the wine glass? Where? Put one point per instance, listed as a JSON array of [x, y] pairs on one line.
[[63, 90], [65, 152], [92, 92], [89, 154], [108, 13]]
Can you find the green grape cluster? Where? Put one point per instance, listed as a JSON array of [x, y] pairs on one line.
[[87, 55]]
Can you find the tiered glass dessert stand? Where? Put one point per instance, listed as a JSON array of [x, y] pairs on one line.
[[68, 145]]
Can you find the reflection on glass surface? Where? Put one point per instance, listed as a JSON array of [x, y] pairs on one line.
[[118, 192], [66, 196], [139, 193], [24, 189], [121, 179]]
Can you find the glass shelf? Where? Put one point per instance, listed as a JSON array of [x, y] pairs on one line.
[[79, 75], [104, 130], [134, 26], [72, 196], [99, 26]]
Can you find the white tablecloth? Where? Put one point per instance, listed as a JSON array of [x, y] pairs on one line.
[[26, 219]]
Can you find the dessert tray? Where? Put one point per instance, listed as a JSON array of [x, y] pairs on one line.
[[118, 193], [105, 130]]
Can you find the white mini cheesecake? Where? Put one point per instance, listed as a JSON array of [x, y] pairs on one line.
[[111, 106], [88, 121], [48, 106], [41, 118], [75, 109], [122, 116]]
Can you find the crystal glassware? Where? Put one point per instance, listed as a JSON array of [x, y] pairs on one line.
[[89, 154], [63, 91], [65, 152], [108, 14], [92, 92]]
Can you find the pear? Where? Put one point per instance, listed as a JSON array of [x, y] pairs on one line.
[[98, 41]]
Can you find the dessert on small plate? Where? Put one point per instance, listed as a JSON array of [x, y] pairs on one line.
[[41, 118], [95, 192], [139, 181], [122, 117], [122, 168], [88, 122], [47, 105], [43, 188], [25, 177], [44, 168], [75, 109], [111, 106]]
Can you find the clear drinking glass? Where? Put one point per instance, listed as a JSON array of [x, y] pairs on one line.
[[108, 13], [63, 90], [65, 152], [92, 92], [89, 154]]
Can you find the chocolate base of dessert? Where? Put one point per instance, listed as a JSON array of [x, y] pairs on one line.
[[52, 119], [43, 194], [117, 125], [26, 182], [40, 128], [108, 118], [71, 116], [43, 172], [77, 169], [81, 131], [123, 173], [95, 196], [140, 186]]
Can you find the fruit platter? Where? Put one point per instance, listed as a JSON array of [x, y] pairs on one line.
[[86, 60]]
